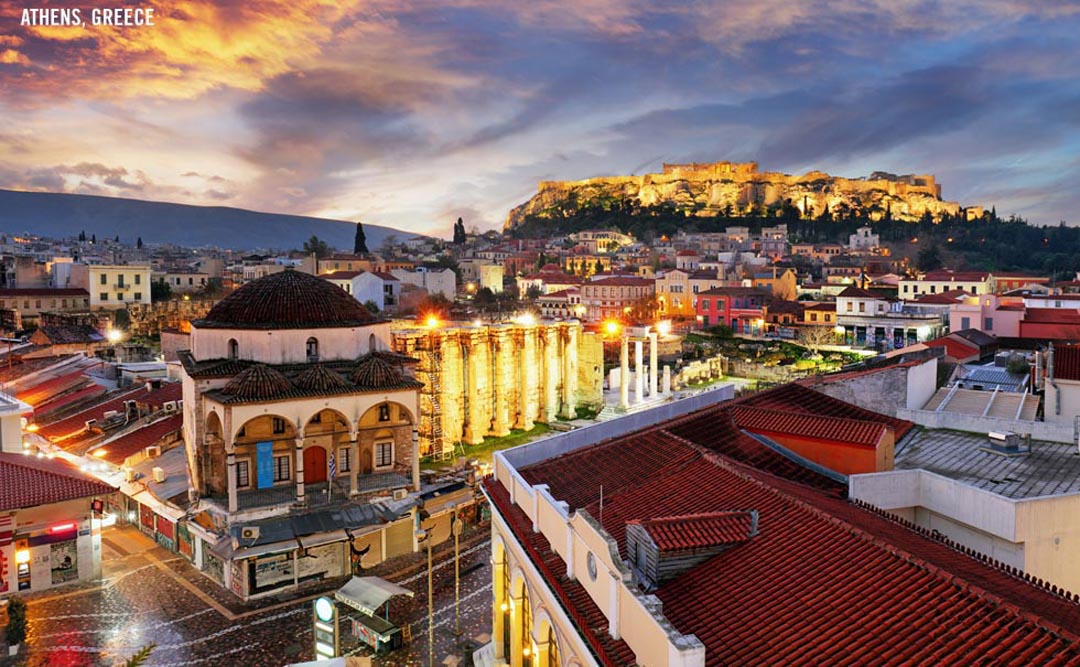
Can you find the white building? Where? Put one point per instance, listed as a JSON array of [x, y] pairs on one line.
[[864, 239], [112, 286], [435, 281], [291, 397]]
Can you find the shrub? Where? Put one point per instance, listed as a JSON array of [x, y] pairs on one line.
[[16, 627]]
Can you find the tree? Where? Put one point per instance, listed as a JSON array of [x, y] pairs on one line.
[[16, 626], [117, 239], [372, 307], [484, 298], [160, 291], [82, 237], [93, 239], [459, 232], [388, 244], [929, 258], [435, 305], [814, 337], [138, 243], [599, 268], [122, 319], [534, 293], [316, 246], [360, 241]]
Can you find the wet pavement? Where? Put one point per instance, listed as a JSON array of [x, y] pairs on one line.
[[150, 595]]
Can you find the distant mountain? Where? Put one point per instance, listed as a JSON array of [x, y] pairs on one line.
[[60, 215]]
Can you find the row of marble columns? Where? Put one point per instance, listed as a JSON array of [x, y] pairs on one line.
[[298, 460], [639, 371]]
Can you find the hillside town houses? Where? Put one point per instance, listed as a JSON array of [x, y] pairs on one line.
[[282, 421]]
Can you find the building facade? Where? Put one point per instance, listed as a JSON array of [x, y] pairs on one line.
[[613, 298], [112, 286]]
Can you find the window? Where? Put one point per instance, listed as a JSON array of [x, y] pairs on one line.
[[553, 649], [862, 306], [119, 296], [384, 412], [37, 303], [933, 289], [281, 468], [138, 296], [719, 304], [848, 306], [965, 323], [312, 350], [384, 454], [104, 279], [120, 280], [988, 325], [526, 629], [279, 425], [813, 317], [234, 349], [138, 279], [372, 343], [243, 474], [104, 296], [344, 459], [26, 304], [704, 304]]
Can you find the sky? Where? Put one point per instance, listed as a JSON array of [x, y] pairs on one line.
[[413, 113]]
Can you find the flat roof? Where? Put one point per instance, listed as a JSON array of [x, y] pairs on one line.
[[1051, 469]]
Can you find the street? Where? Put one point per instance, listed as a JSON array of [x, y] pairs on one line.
[[149, 595]]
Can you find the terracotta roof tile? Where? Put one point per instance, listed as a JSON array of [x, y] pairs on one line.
[[695, 531], [118, 450], [27, 481], [259, 381], [320, 378], [1067, 362], [287, 300], [836, 429]]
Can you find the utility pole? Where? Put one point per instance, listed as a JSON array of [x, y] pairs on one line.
[[456, 528], [425, 536]]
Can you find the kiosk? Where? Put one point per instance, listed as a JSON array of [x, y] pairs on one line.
[[367, 595]]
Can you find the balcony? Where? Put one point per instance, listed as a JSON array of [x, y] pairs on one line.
[[315, 495]]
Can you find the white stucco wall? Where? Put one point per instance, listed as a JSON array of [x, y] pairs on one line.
[[289, 346]]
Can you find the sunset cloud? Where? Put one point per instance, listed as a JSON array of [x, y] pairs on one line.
[[407, 112]]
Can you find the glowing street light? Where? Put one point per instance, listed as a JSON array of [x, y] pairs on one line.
[[525, 318], [611, 327], [114, 335], [663, 327], [432, 322]]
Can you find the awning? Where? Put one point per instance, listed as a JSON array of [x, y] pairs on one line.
[[367, 594], [308, 541]]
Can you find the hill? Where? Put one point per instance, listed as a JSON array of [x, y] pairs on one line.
[[738, 189], [60, 215]]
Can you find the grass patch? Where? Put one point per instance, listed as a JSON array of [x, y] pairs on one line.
[[484, 451]]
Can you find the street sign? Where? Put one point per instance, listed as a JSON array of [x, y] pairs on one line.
[[327, 635]]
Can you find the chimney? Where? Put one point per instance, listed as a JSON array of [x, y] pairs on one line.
[[1050, 364]]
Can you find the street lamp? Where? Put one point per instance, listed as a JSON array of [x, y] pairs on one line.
[[611, 327], [425, 536], [663, 327], [114, 335]]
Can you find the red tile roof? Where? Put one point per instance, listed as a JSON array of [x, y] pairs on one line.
[[340, 275], [1067, 362], [823, 582], [27, 481], [46, 390], [118, 450], [956, 349], [1052, 315], [43, 291], [858, 293], [943, 299], [835, 429], [695, 531], [43, 410], [76, 422]]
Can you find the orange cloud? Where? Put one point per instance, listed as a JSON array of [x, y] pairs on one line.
[[13, 57]]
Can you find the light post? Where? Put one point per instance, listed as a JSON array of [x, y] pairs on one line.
[[455, 527], [425, 536]]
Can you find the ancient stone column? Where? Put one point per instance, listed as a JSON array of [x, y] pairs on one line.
[[230, 471], [624, 373], [569, 351], [354, 463], [524, 341], [300, 469], [652, 363], [551, 373], [667, 380], [502, 368], [639, 372]]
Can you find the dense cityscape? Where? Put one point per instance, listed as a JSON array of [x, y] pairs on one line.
[[591, 334]]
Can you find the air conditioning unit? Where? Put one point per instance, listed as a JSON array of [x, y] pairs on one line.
[[159, 475], [129, 475], [89, 424], [170, 406], [153, 451], [180, 404], [401, 494], [111, 414], [249, 533]]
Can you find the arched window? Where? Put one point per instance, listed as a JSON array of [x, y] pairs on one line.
[[312, 349], [373, 343], [234, 349], [553, 649], [526, 628], [505, 606]]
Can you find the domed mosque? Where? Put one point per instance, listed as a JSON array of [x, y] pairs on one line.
[[292, 396]]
